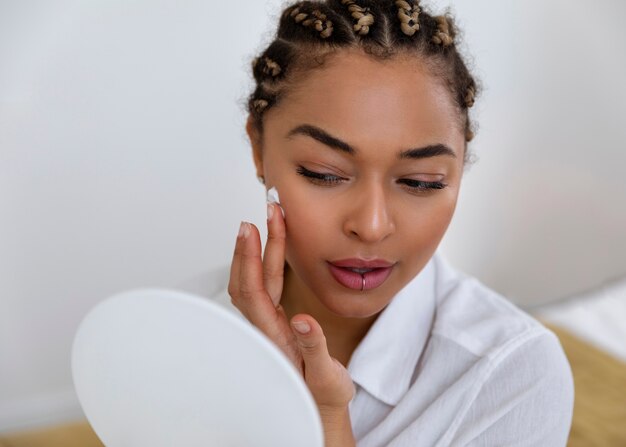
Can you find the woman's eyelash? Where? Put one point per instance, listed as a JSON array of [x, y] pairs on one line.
[[316, 177], [330, 179], [420, 185]]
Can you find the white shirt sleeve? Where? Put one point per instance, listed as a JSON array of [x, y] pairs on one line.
[[526, 401]]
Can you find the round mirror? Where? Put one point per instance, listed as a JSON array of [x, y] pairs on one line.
[[158, 367]]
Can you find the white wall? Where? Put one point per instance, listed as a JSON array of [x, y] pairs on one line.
[[543, 214], [124, 163]]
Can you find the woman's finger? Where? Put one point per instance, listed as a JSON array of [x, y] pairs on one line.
[[329, 382], [312, 343], [252, 297], [235, 265], [274, 256]]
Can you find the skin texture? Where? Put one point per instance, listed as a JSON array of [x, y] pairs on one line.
[[380, 109]]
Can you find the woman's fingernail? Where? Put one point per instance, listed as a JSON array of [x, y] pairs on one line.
[[270, 211], [302, 327], [244, 230]]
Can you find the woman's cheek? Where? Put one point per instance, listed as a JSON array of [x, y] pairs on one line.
[[439, 218], [305, 221], [311, 228], [297, 213]]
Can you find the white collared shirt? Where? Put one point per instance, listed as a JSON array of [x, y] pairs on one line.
[[450, 362]]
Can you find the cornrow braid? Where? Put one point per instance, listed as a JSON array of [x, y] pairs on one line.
[[470, 93], [444, 35], [268, 66], [315, 19], [408, 15], [312, 23], [362, 16], [260, 105], [309, 31]]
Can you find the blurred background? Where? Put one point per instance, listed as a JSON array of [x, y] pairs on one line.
[[124, 161]]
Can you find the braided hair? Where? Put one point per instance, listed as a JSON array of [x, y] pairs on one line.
[[308, 31]]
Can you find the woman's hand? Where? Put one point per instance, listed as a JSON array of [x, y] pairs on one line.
[[255, 287]]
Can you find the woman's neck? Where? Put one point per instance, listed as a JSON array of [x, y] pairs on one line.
[[342, 334]]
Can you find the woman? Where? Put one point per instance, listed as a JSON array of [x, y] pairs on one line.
[[359, 120]]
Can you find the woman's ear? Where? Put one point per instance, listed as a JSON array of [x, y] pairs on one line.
[[255, 141]]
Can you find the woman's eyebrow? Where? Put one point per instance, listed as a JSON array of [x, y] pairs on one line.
[[432, 150], [322, 136]]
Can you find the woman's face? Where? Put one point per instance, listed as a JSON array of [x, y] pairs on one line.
[[338, 151]]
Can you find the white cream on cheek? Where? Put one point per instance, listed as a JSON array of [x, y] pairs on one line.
[[273, 197]]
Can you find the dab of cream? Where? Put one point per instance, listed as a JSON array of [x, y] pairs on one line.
[[272, 197]]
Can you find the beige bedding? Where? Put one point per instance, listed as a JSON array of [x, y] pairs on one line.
[[600, 394], [78, 434]]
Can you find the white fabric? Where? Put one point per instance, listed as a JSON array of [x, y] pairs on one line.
[[450, 362], [597, 316]]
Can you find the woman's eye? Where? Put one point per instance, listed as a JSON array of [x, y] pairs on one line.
[[420, 186], [415, 186], [318, 177]]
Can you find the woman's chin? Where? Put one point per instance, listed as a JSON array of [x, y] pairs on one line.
[[350, 304]]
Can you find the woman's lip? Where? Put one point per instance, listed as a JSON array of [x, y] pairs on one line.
[[359, 281], [362, 263]]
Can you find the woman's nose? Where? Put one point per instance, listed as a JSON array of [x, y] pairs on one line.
[[368, 216]]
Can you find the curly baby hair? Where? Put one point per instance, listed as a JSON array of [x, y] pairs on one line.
[[309, 31]]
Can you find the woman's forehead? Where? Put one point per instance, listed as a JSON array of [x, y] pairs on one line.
[[378, 102]]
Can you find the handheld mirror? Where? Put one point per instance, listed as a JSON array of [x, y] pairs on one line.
[[160, 367]]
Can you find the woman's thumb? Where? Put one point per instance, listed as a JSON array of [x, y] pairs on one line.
[[328, 380], [313, 346]]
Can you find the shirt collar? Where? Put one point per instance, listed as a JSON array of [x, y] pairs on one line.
[[384, 362]]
